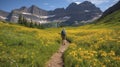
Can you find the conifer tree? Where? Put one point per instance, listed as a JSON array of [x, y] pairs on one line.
[[31, 23], [20, 19]]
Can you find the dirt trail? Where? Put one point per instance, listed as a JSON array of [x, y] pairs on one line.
[[56, 60]]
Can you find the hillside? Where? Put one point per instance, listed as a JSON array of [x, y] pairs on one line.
[[111, 18], [36, 41], [111, 15], [112, 9], [26, 47], [92, 45], [95, 45]]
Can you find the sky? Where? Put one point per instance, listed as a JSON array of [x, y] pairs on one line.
[[8, 5]]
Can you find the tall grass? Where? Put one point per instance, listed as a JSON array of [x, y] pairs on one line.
[[94, 46], [26, 47]]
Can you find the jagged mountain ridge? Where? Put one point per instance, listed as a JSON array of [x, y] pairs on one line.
[[74, 12], [3, 15], [84, 12], [32, 12]]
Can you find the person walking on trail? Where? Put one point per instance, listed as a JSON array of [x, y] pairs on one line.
[[63, 35]]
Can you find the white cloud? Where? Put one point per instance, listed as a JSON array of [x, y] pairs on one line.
[[96, 2], [78, 3]]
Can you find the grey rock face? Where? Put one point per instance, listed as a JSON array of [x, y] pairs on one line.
[[74, 12], [3, 15], [82, 12]]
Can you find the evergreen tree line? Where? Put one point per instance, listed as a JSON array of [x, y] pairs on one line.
[[23, 21]]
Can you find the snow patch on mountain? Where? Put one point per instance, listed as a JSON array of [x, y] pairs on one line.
[[77, 3], [3, 17], [45, 17], [87, 10], [66, 17], [26, 13], [93, 19], [43, 21], [15, 16]]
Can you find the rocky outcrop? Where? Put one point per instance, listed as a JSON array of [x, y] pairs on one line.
[[3, 15], [82, 12], [74, 12]]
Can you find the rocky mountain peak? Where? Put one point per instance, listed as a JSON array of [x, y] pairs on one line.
[[87, 5], [86, 2], [34, 7], [36, 10], [74, 12], [84, 6], [72, 5], [59, 10], [23, 8]]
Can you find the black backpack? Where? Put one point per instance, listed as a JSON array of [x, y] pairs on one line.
[[63, 32]]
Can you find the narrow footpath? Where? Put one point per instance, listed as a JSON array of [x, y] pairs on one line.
[[56, 60]]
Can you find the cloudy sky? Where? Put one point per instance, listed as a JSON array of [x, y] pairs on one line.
[[8, 5]]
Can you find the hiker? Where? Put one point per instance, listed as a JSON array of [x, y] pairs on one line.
[[63, 35]]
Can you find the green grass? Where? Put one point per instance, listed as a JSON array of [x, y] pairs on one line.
[[26, 47], [96, 45], [113, 18]]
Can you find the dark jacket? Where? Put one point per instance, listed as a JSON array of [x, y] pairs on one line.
[[63, 33]]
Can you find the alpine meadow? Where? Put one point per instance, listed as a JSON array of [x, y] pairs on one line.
[[92, 44]]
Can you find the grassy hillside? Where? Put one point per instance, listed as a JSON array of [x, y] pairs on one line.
[[26, 47], [94, 45], [113, 18]]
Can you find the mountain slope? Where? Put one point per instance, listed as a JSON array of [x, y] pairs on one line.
[[29, 47], [82, 12], [26, 47], [3, 15], [32, 13], [111, 18], [111, 15], [112, 9]]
